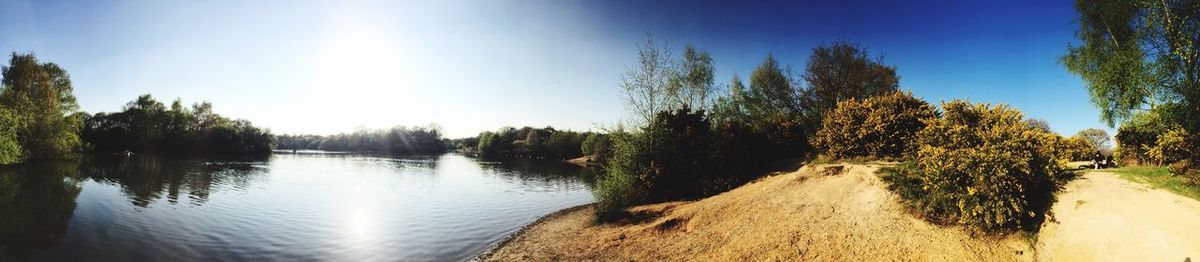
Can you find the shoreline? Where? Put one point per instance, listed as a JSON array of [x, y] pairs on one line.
[[491, 249]]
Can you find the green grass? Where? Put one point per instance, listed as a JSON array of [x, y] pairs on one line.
[[1157, 177]]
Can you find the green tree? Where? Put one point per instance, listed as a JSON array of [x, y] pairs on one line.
[[1139, 55], [40, 97], [1096, 139], [772, 93], [732, 106], [843, 71], [693, 82]]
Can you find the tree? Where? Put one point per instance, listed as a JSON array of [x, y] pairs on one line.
[[843, 71], [39, 95], [1139, 55], [660, 82], [1096, 139], [693, 82], [732, 106], [1039, 124], [772, 93], [646, 86]]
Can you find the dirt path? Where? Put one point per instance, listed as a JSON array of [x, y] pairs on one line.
[[800, 216], [1103, 217]]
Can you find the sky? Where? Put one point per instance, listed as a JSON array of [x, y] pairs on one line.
[[325, 67]]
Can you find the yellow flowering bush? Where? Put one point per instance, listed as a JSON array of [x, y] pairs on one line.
[[981, 166], [876, 127]]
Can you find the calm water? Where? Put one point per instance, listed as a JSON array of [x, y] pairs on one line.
[[286, 207]]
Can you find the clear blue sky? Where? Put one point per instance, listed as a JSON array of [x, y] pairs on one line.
[[331, 66]]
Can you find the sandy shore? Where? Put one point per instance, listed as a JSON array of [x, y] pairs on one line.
[[802, 215], [808, 215]]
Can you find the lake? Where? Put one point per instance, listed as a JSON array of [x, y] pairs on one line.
[[314, 206]]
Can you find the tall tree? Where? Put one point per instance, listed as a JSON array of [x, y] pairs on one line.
[[646, 85], [732, 105], [40, 97], [1139, 55], [693, 82], [771, 91], [843, 71]]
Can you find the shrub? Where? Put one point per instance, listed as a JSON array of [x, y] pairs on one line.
[[1172, 146], [667, 160], [877, 127], [981, 166], [1137, 137], [679, 155]]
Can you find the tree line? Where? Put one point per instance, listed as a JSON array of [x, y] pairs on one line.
[[689, 138], [547, 142], [400, 140], [40, 120]]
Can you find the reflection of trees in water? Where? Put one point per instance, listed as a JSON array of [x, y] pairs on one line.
[[36, 203], [147, 178], [543, 172]]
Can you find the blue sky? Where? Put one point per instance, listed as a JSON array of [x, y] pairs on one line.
[[332, 66]]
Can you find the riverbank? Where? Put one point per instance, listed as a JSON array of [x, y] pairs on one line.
[[802, 215]]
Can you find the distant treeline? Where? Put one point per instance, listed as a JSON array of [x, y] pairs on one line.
[[544, 142], [146, 126], [399, 140]]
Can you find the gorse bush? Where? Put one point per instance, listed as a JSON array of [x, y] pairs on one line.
[[883, 126], [1136, 137], [981, 166], [1174, 145]]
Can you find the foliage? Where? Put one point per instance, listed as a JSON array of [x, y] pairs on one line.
[[982, 166], [1139, 135], [663, 82], [10, 147], [1074, 148], [877, 127], [1039, 124], [1096, 139], [1174, 145], [597, 146], [533, 142], [400, 140], [842, 71], [146, 126], [619, 186], [40, 97], [680, 155], [1138, 53]]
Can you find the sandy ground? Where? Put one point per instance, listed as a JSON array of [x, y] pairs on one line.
[[1101, 217], [805, 215]]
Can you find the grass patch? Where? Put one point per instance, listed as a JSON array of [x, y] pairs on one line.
[[1157, 177]]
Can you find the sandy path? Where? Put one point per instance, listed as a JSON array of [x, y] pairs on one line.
[[800, 216], [1101, 217]]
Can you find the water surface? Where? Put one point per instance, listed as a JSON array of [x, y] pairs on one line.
[[340, 207]]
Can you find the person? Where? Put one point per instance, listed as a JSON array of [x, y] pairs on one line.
[[1097, 159]]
